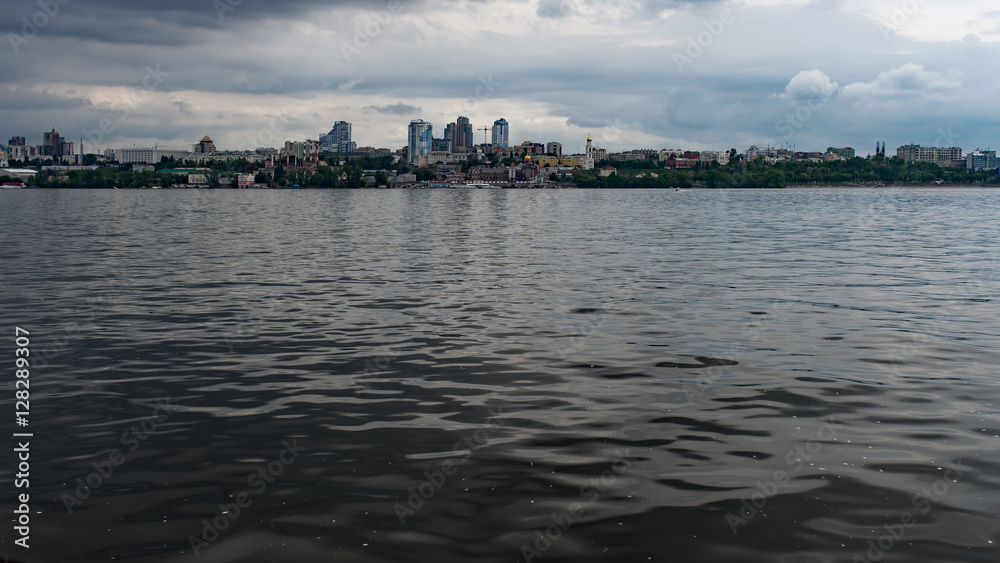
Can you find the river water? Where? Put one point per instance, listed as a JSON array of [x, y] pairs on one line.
[[499, 376]]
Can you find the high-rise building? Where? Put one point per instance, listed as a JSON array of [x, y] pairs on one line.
[[16, 142], [463, 133], [52, 144], [501, 133], [421, 139], [555, 149], [449, 135], [338, 140]]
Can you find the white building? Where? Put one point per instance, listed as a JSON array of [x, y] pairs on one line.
[[143, 156], [937, 155]]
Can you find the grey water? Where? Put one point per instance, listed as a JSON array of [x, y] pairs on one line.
[[788, 376]]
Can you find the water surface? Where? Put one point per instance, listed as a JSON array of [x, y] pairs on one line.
[[696, 376]]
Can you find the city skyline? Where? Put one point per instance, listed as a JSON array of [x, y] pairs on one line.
[[693, 74]]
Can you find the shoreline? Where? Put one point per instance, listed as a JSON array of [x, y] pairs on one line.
[[920, 187]]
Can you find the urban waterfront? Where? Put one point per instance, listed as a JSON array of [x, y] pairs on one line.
[[506, 375]]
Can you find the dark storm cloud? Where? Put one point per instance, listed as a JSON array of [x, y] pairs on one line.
[[116, 14]]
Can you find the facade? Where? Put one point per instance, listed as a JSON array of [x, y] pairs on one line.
[[52, 144], [501, 133], [197, 179], [244, 181], [722, 157], [607, 171], [206, 146], [979, 160], [937, 155], [553, 149], [338, 140], [17, 141], [23, 152], [142, 156], [421, 139], [4, 163], [460, 134]]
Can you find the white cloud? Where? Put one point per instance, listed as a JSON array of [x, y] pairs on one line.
[[908, 80], [809, 85]]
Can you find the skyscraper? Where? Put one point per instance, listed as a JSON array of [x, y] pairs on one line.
[[338, 140], [501, 133], [463, 133], [52, 144], [421, 138], [449, 136]]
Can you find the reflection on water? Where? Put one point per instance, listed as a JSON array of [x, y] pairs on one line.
[[786, 376]]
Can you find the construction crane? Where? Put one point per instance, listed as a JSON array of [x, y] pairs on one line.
[[486, 139]]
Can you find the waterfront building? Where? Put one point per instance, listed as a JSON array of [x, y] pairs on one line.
[[464, 135], [142, 155], [980, 160], [937, 155], [421, 139], [501, 133], [338, 140]]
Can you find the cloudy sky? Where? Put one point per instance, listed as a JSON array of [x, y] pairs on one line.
[[705, 74]]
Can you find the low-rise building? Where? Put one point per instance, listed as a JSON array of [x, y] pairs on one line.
[[607, 171], [846, 152], [937, 155], [197, 179], [979, 160]]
